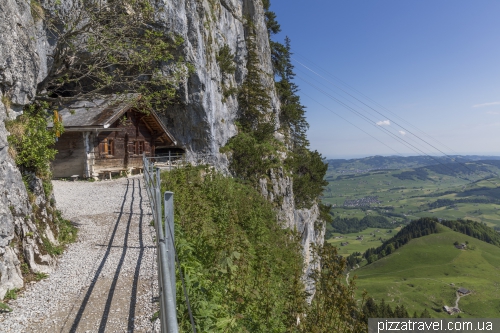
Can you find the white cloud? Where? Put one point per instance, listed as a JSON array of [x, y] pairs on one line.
[[485, 104], [402, 132], [383, 123]]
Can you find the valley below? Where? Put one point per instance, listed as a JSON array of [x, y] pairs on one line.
[[374, 198]]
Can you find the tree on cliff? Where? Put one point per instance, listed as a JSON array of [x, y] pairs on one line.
[[254, 150], [308, 168], [109, 46]]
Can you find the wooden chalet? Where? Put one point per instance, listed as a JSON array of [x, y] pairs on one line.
[[107, 135]]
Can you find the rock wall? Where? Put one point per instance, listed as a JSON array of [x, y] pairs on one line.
[[20, 237], [203, 121]]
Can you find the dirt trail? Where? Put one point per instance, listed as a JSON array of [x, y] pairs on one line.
[[106, 282]]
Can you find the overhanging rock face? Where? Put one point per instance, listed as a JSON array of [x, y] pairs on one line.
[[203, 120]]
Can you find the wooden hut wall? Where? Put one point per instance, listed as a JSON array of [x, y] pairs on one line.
[[70, 157], [122, 149]]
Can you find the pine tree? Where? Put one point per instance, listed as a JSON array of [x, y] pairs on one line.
[[425, 314], [253, 98], [272, 24], [292, 116]]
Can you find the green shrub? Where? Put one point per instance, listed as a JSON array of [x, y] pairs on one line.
[[334, 308], [251, 159], [25, 269], [243, 270], [31, 140]]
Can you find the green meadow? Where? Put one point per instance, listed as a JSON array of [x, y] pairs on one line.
[[371, 237], [403, 200], [426, 272]]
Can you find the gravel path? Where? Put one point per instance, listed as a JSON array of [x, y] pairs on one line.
[[106, 281]]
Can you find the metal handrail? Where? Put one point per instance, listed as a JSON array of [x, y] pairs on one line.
[[175, 160], [165, 246], [166, 257]]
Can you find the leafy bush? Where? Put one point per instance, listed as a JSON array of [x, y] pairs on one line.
[[308, 172], [334, 309], [32, 141], [243, 270], [251, 159]]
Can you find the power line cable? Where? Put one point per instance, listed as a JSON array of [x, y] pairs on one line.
[[373, 101], [378, 112], [404, 142], [359, 128], [367, 119], [399, 139]]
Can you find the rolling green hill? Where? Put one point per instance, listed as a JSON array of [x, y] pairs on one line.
[[426, 272], [408, 194], [343, 166]]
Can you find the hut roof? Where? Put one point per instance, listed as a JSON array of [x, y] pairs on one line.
[[101, 112]]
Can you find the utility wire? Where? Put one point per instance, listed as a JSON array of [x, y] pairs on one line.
[[359, 128], [381, 114], [380, 127], [404, 142], [373, 101], [364, 117]]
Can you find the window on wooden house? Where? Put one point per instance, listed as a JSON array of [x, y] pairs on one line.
[[139, 147], [131, 148], [107, 147]]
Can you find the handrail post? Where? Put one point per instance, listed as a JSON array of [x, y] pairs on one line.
[[169, 236], [158, 183]]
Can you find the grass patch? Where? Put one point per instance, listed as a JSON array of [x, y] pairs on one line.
[[68, 233], [11, 294], [155, 316], [4, 308], [41, 276], [37, 10], [53, 250]]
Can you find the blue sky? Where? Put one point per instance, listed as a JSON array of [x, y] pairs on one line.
[[433, 66]]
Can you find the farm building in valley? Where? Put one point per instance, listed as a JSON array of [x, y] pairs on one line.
[[107, 135]]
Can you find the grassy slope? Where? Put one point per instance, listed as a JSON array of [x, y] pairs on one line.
[[361, 245], [420, 275], [408, 196]]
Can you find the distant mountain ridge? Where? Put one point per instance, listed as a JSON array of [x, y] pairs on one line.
[[397, 162]]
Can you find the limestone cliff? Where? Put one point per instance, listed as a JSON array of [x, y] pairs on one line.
[[24, 216], [203, 120]]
